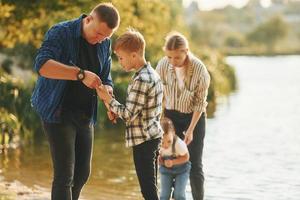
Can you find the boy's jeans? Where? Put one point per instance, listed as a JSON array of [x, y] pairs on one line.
[[145, 161], [178, 175]]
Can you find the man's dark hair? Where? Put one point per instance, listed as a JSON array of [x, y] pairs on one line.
[[107, 13]]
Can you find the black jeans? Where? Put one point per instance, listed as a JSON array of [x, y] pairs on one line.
[[181, 123], [145, 161], [71, 143]]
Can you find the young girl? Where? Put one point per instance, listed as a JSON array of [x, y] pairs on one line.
[[174, 163]]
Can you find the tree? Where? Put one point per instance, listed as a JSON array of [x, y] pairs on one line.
[[24, 24], [269, 33]]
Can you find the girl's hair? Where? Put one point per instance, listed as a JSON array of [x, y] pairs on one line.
[[177, 41], [167, 126]]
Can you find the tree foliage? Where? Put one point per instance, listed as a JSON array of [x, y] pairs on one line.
[[24, 24], [269, 32]]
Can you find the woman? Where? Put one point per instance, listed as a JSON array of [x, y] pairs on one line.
[[186, 81]]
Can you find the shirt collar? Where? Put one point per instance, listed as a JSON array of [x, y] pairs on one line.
[[78, 32], [189, 72], [139, 71]]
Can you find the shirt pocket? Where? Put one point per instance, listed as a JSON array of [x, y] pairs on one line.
[[187, 97]]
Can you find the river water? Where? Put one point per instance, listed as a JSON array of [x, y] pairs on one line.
[[252, 145]]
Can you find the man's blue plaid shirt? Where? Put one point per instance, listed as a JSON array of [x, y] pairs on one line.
[[61, 43]]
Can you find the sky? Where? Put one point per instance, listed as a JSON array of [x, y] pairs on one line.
[[212, 4]]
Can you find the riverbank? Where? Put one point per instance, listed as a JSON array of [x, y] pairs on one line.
[[260, 53], [5, 194], [17, 191]]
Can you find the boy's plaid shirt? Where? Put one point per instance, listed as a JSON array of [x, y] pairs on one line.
[[143, 107]]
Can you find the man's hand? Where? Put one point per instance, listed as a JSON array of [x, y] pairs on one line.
[[91, 80], [103, 94], [103, 91], [112, 116], [109, 89]]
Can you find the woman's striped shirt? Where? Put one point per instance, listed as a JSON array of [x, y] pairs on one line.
[[196, 82]]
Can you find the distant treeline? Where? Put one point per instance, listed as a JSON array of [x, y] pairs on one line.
[[252, 29]]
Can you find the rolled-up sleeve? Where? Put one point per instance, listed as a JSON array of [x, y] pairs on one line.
[[106, 72], [51, 47], [201, 91]]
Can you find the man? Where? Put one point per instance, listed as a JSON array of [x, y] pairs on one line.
[[74, 59]]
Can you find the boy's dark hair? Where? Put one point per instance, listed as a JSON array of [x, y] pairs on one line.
[[107, 13]]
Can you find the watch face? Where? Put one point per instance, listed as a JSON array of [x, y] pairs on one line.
[[80, 76]]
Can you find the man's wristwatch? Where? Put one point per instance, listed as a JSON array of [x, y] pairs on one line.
[[80, 75]]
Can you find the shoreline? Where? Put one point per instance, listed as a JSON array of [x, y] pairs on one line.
[[16, 190], [263, 54]]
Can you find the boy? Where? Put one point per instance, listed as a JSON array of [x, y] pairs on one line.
[[141, 111]]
